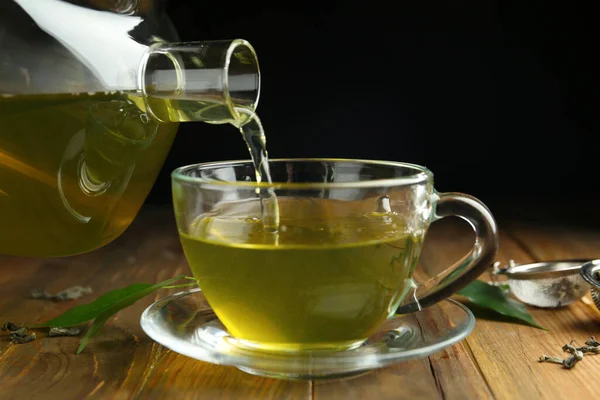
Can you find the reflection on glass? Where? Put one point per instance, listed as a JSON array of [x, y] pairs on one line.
[[104, 155], [117, 133]]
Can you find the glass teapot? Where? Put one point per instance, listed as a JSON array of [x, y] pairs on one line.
[[91, 94]]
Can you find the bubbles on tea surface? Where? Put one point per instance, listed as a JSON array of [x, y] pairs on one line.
[[383, 212], [383, 205]]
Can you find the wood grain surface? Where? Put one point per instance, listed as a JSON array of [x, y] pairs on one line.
[[498, 360]]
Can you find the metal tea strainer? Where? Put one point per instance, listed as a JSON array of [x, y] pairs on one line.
[[590, 272], [547, 284]]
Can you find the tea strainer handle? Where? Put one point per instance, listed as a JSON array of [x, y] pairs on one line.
[[472, 265]]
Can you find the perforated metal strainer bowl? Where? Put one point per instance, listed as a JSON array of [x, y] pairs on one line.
[[547, 284]]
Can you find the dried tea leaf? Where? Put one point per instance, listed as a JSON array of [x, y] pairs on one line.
[[71, 293], [551, 359], [592, 342], [574, 358], [23, 339], [576, 354], [589, 349], [20, 332], [40, 294], [10, 326], [55, 331], [21, 336], [493, 297]]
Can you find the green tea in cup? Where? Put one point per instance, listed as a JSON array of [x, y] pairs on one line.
[[340, 261]]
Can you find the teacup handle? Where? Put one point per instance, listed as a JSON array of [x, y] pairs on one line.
[[470, 266]]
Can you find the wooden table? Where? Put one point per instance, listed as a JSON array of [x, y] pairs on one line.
[[498, 360]]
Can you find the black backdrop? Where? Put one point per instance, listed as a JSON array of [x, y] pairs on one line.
[[499, 99]]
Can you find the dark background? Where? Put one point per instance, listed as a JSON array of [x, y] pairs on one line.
[[499, 99]]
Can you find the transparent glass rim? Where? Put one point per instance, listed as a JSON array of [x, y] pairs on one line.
[[232, 46], [421, 175]]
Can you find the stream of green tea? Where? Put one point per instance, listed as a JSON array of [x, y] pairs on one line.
[[254, 136]]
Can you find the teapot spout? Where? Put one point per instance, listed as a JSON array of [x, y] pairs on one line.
[[200, 81]]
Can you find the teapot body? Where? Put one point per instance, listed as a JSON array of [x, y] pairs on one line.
[[78, 153]]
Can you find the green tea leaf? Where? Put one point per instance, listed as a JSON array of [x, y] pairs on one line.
[[80, 314], [105, 307], [493, 298], [96, 325]]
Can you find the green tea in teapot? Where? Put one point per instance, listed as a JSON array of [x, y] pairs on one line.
[[74, 169]]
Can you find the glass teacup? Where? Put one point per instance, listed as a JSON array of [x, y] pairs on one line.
[[343, 258]]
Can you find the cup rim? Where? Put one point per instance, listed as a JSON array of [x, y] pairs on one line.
[[422, 175]]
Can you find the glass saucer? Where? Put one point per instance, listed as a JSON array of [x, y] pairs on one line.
[[185, 323]]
